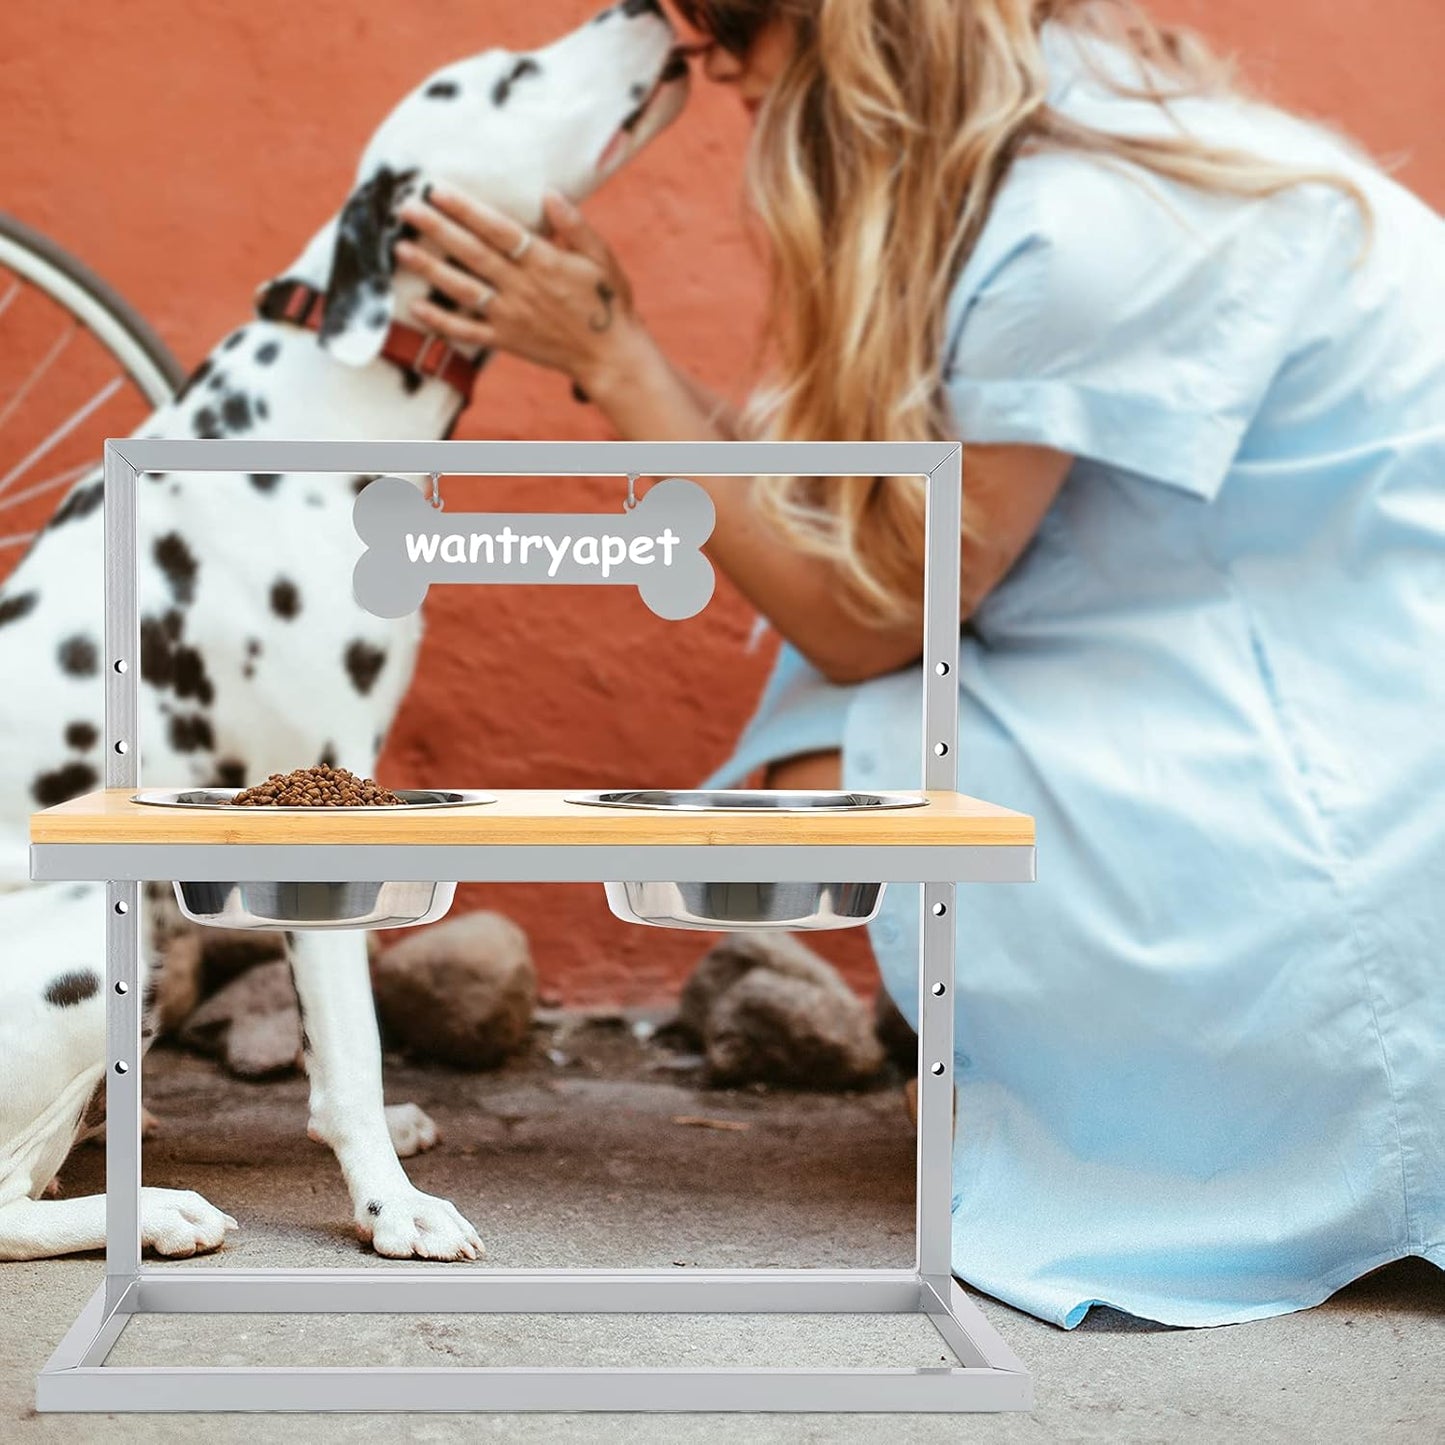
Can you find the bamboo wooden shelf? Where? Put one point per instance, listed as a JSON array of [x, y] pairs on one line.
[[528, 817]]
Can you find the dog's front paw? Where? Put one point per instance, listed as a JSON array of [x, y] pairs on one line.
[[411, 1130], [176, 1222], [414, 1225]]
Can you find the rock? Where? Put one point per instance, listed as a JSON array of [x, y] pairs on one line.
[[720, 968], [461, 991], [253, 1023], [178, 981], [767, 1009], [894, 1032]]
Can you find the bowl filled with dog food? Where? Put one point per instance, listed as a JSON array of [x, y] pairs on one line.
[[249, 904], [803, 906]]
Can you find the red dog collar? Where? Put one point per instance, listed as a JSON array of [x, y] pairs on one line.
[[405, 346]]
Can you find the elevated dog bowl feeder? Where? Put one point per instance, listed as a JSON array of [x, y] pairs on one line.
[[534, 836], [272, 904], [797, 906]]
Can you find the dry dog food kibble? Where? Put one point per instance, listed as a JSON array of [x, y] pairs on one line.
[[320, 787]]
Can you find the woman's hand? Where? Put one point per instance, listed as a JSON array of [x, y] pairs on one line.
[[561, 301]]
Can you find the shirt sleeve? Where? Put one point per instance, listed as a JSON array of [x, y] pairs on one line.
[[1129, 320]]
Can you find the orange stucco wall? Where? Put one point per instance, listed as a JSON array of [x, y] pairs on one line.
[[186, 149]]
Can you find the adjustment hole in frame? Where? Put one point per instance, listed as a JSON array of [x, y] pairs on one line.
[[942, 669], [939, 909], [121, 906], [935, 1069], [121, 665], [938, 990], [940, 750], [121, 746], [122, 987], [121, 1067]]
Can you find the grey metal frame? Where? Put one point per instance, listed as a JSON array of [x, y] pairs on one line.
[[988, 1377]]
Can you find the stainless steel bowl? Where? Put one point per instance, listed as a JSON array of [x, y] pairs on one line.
[[321, 905], [314, 905], [411, 799], [755, 800], [737, 906], [734, 906]]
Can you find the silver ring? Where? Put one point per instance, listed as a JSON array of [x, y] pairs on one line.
[[479, 307], [521, 248]]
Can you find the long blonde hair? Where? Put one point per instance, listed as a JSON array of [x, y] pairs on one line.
[[876, 157]]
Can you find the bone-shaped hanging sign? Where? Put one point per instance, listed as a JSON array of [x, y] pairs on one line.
[[655, 546]]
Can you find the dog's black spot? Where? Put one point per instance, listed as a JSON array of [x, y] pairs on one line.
[[377, 741], [411, 380], [365, 231], [328, 755], [285, 598], [441, 90], [216, 382], [633, 8], [157, 652], [236, 411], [377, 319], [363, 663], [12, 609], [191, 679], [502, 90], [207, 425], [178, 564], [314, 499], [80, 503], [79, 656], [638, 91], [601, 15], [262, 410], [81, 735], [191, 733], [229, 773], [265, 481], [173, 622], [234, 340], [66, 782], [77, 891], [373, 1207], [68, 989], [195, 379], [267, 352], [253, 646]]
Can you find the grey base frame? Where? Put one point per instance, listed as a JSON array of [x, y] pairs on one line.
[[987, 1377]]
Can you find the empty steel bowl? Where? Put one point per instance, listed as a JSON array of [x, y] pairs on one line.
[[748, 800], [267, 905], [737, 906], [732, 906], [319, 905]]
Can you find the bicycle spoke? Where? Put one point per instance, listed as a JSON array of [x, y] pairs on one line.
[[9, 296], [59, 480], [47, 361], [62, 431]]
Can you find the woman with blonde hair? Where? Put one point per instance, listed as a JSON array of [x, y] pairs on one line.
[[1193, 347]]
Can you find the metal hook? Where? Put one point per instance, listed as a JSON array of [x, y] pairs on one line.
[[436, 491], [631, 501]]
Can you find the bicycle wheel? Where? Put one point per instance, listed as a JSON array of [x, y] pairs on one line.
[[77, 364]]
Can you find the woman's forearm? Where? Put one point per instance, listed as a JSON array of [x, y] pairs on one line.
[[647, 399]]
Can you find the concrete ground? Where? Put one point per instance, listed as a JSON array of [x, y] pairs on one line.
[[574, 1156]]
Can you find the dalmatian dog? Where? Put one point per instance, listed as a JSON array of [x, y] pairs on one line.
[[254, 657]]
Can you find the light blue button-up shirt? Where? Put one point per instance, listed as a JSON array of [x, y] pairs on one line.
[[1203, 1057]]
